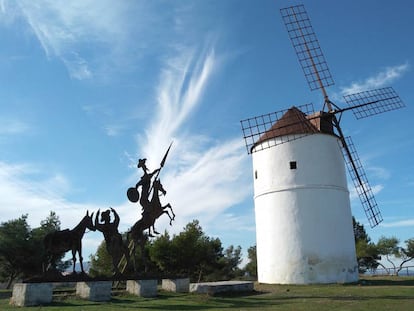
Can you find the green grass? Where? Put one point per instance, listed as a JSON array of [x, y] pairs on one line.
[[385, 293]]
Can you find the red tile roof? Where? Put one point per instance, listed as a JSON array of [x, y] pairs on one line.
[[295, 121]]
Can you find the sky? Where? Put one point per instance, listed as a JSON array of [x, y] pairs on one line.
[[89, 87]]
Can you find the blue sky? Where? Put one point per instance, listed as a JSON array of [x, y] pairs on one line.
[[89, 87]]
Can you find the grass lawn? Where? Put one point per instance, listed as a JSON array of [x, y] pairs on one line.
[[377, 293]]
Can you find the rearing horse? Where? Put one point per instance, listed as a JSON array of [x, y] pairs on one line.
[[58, 242], [154, 210], [151, 213]]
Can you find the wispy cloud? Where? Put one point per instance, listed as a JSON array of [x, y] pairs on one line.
[[383, 78], [12, 127], [76, 31], [397, 224], [26, 189], [203, 176], [182, 83], [353, 194]]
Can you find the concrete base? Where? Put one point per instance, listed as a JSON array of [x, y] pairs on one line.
[[31, 294], [212, 288], [176, 285], [142, 288], [94, 291]]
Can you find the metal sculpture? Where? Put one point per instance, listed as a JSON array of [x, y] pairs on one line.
[[58, 242], [113, 239], [152, 208]]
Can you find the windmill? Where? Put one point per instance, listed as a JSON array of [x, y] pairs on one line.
[[303, 217]]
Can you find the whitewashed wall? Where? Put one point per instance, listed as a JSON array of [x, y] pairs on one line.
[[303, 216]]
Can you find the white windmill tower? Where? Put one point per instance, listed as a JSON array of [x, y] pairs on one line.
[[304, 230]]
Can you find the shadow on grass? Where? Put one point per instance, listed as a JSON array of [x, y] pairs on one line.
[[189, 302], [5, 294], [385, 282]]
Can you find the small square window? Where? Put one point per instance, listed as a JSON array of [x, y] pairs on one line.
[[293, 165]]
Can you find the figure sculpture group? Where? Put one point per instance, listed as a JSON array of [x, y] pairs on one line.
[[59, 242]]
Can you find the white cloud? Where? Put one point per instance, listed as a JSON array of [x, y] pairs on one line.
[[12, 126], [401, 223], [381, 79], [353, 194], [203, 176], [76, 31], [183, 81], [26, 190], [379, 172]]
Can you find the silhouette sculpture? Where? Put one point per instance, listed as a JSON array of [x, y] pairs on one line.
[[151, 209], [113, 239], [152, 212], [145, 184], [58, 242]]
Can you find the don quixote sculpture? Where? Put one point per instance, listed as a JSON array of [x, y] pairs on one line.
[[147, 193], [151, 209]]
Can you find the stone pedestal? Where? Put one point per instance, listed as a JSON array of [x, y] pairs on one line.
[[213, 288], [94, 291], [176, 285], [31, 294], [143, 288]]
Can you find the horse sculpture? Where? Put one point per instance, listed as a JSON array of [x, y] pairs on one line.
[[59, 242], [154, 210], [151, 213]]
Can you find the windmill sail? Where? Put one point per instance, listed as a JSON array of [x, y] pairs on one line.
[[364, 190], [307, 47], [369, 103]]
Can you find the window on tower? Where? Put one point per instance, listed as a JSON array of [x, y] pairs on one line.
[[293, 165]]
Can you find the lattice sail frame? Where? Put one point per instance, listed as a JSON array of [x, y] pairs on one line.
[[369, 103], [254, 128], [307, 47], [361, 183]]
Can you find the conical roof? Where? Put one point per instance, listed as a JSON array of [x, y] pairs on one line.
[[293, 121]]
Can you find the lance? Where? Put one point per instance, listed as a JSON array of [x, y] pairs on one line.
[[165, 157], [162, 163]]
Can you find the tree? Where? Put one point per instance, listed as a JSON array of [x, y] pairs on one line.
[[101, 262], [251, 266], [230, 262], [388, 247], [189, 253], [40, 258], [15, 249], [366, 251], [22, 252], [406, 253], [51, 223], [359, 231], [193, 253], [161, 252]]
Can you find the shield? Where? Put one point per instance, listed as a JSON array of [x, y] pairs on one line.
[[133, 195]]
